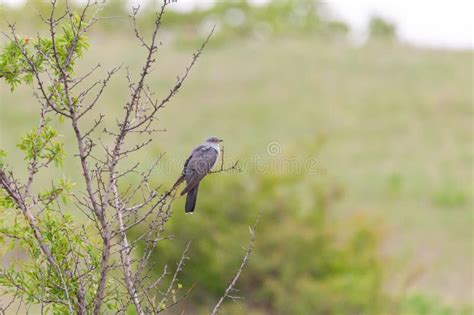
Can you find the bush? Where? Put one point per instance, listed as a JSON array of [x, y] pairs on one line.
[[418, 304], [381, 29], [303, 262]]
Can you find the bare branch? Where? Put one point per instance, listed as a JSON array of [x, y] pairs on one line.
[[222, 168], [245, 260], [125, 254], [99, 93], [175, 89], [179, 268]]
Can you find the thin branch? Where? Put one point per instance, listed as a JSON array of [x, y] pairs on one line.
[[179, 268], [175, 89], [223, 168], [125, 254], [245, 260]]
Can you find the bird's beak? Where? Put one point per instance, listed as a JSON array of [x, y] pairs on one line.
[[220, 140]]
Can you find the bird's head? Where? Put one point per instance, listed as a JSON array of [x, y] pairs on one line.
[[213, 140]]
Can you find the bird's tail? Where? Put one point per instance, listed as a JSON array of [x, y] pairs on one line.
[[191, 200]]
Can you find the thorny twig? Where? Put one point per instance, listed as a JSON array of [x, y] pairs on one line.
[[233, 282]]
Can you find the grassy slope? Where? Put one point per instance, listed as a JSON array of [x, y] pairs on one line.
[[396, 123]]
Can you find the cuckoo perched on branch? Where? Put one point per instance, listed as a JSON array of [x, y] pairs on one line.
[[197, 166]]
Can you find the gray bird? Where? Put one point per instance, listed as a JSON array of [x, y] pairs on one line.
[[199, 164]]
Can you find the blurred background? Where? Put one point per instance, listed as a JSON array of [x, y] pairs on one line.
[[353, 125]]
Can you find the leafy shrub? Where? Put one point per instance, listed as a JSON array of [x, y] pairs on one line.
[[303, 263], [418, 304], [450, 196], [380, 28], [32, 279]]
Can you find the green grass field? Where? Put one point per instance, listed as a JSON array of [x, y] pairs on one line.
[[395, 123]]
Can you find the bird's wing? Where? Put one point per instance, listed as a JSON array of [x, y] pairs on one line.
[[183, 173], [198, 165]]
